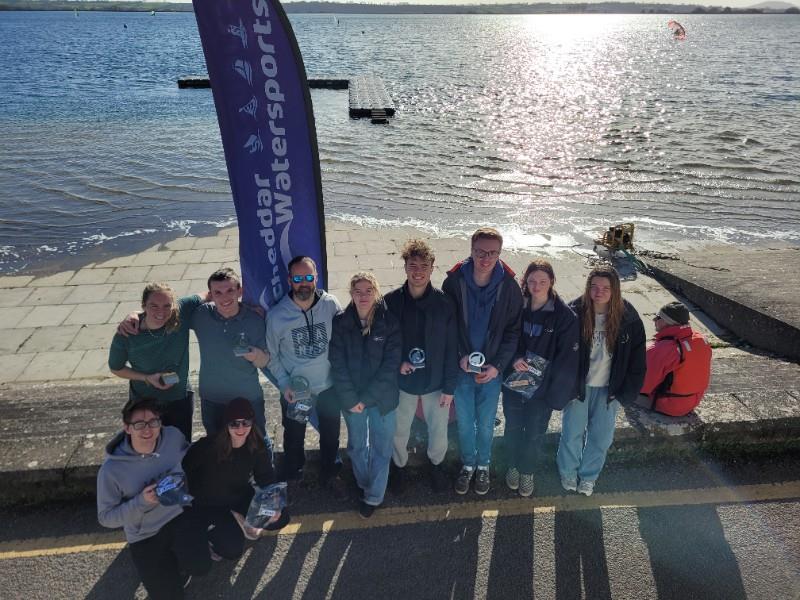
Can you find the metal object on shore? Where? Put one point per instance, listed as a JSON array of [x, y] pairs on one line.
[[368, 97], [618, 237]]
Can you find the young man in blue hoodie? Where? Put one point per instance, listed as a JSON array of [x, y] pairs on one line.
[[488, 310], [167, 545]]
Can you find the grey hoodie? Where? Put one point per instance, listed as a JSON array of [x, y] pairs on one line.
[[125, 473], [298, 341]]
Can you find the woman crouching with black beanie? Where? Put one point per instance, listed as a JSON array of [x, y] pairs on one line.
[[219, 469]]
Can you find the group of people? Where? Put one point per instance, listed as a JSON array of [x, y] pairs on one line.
[[375, 363]]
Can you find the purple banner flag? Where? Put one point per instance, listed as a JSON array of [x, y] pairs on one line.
[[268, 134]]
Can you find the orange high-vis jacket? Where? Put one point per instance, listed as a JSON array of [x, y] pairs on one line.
[[678, 370]]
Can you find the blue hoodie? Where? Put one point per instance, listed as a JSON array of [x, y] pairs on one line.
[[480, 301]]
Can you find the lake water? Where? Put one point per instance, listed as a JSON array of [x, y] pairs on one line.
[[550, 127]]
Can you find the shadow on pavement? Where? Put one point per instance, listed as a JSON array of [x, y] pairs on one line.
[[120, 580], [580, 550], [689, 554]]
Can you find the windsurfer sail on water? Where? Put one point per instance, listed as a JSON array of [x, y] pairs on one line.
[[678, 31]]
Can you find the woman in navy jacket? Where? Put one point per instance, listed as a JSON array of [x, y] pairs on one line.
[[365, 351], [549, 332], [611, 370]]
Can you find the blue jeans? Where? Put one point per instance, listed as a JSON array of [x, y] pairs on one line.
[[587, 431], [476, 409], [213, 414], [370, 439]]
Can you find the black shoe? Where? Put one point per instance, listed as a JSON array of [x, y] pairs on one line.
[[397, 480], [462, 482], [482, 482], [365, 510], [337, 488], [439, 481]]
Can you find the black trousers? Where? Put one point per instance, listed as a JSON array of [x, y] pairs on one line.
[[178, 413], [294, 436], [180, 548], [526, 424], [225, 536]]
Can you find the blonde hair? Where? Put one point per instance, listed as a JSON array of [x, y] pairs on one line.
[[174, 321], [373, 281], [616, 307]]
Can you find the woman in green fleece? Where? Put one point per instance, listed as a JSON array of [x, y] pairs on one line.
[[159, 355]]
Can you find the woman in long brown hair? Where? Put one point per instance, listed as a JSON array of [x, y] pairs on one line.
[[611, 370], [219, 469]]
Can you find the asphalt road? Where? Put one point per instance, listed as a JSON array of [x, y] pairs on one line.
[[681, 529]]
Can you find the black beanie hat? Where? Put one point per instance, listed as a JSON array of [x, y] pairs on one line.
[[239, 408], [675, 313]]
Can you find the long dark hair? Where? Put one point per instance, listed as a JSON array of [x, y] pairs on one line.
[[539, 264], [616, 307], [223, 447]]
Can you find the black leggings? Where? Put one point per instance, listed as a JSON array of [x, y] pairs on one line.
[[180, 548], [294, 435], [178, 413], [526, 424], [226, 536]]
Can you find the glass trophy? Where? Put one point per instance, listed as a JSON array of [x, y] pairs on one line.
[[172, 491], [242, 347], [300, 409], [266, 503], [170, 378], [416, 356], [475, 361]]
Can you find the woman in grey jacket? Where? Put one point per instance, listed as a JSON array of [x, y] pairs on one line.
[[166, 545]]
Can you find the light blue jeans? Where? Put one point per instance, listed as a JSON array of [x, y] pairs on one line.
[[476, 409], [370, 439], [587, 431]]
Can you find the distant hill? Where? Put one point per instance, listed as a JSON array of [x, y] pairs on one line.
[[773, 5]]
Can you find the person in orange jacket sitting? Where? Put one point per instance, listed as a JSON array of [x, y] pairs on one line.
[[678, 364]]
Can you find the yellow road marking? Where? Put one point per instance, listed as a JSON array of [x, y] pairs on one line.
[[407, 515]]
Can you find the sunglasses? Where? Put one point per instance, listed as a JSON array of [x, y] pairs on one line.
[[302, 278], [151, 424], [239, 423]]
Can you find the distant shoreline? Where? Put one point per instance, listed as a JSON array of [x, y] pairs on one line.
[[356, 8]]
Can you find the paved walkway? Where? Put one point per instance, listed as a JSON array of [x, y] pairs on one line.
[[59, 327]]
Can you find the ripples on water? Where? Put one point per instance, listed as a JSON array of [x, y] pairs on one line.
[[549, 126]]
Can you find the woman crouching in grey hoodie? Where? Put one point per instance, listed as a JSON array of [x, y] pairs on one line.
[[166, 546]]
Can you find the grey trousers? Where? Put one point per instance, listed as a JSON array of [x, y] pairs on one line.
[[436, 418]]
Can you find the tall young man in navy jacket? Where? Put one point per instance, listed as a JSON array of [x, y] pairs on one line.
[[488, 305]]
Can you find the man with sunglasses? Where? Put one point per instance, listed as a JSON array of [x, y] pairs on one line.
[[298, 333], [166, 544], [488, 304]]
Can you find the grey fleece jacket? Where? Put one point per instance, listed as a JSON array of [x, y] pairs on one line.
[[125, 473], [298, 340]]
